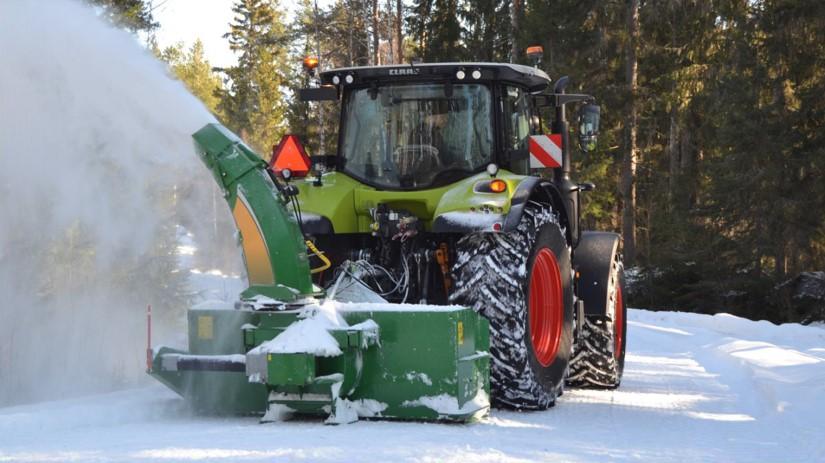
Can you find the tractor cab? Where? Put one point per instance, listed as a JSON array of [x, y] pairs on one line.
[[423, 126]]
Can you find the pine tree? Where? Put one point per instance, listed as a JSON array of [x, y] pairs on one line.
[[485, 33], [768, 166], [134, 15], [253, 104], [584, 40], [194, 70], [319, 33], [436, 30]]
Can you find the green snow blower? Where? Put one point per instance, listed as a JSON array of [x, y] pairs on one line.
[[284, 350], [433, 266]]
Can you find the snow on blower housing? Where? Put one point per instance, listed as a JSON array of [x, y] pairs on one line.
[[432, 266]]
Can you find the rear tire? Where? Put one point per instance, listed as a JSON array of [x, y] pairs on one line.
[[521, 282], [598, 361]]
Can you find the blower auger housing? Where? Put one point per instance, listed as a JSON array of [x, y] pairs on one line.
[[445, 227]]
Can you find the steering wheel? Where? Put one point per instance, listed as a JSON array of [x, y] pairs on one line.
[[416, 158]]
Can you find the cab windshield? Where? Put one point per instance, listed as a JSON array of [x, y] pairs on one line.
[[417, 136]]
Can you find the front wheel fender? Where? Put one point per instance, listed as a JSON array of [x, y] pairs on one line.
[[539, 190], [507, 217]]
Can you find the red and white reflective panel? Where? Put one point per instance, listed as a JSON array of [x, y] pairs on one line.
[[545, 151]]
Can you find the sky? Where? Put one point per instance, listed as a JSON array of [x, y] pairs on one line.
[[187, 20]]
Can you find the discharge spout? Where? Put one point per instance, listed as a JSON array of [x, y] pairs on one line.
[[274, 250]]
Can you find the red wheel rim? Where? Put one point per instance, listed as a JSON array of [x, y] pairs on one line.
[[618, 323], [546, 307]]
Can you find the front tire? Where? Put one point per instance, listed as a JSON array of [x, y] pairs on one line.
[[600, 350], [522, 283]]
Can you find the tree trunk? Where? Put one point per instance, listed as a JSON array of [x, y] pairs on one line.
[[375, 33], [628, 186], [673, 157], [350, 50], [780, 261], [399, 38], [780, 231], [390, 35], [514, 25]]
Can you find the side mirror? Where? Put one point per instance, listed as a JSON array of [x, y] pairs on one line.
[[589, 126]]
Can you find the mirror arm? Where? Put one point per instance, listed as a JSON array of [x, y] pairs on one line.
[[567, 98], [558, 99]]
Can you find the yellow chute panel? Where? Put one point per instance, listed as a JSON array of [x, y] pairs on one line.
[[256, 254]]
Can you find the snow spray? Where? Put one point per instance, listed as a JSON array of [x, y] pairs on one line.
[[96, 164]]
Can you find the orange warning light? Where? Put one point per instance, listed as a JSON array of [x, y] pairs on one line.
[[535, 52], [498, 186], [290, 154], [310, 63]]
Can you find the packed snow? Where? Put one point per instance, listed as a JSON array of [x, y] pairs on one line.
[[305, 336], [413, 376], [311, 334], [446, 404], [696, 388]]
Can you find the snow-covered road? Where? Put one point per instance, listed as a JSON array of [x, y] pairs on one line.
[[696, 388]]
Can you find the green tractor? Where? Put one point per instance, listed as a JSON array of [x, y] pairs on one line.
[[432, 266], [446, 190]]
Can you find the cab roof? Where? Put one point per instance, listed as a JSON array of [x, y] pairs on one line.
[[534, 79]]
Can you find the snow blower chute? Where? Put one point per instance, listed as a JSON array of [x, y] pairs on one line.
[[287, 347]]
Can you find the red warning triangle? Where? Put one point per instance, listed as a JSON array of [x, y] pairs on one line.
[[290, 154]]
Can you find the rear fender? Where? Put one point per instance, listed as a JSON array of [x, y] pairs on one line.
[[592, 260]]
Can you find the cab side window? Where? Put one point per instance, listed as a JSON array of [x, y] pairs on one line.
[[516, 115]]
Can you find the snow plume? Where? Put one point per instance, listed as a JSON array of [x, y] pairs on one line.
[[97, 169]]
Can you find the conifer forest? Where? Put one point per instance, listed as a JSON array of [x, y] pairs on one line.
[[711, 155]]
